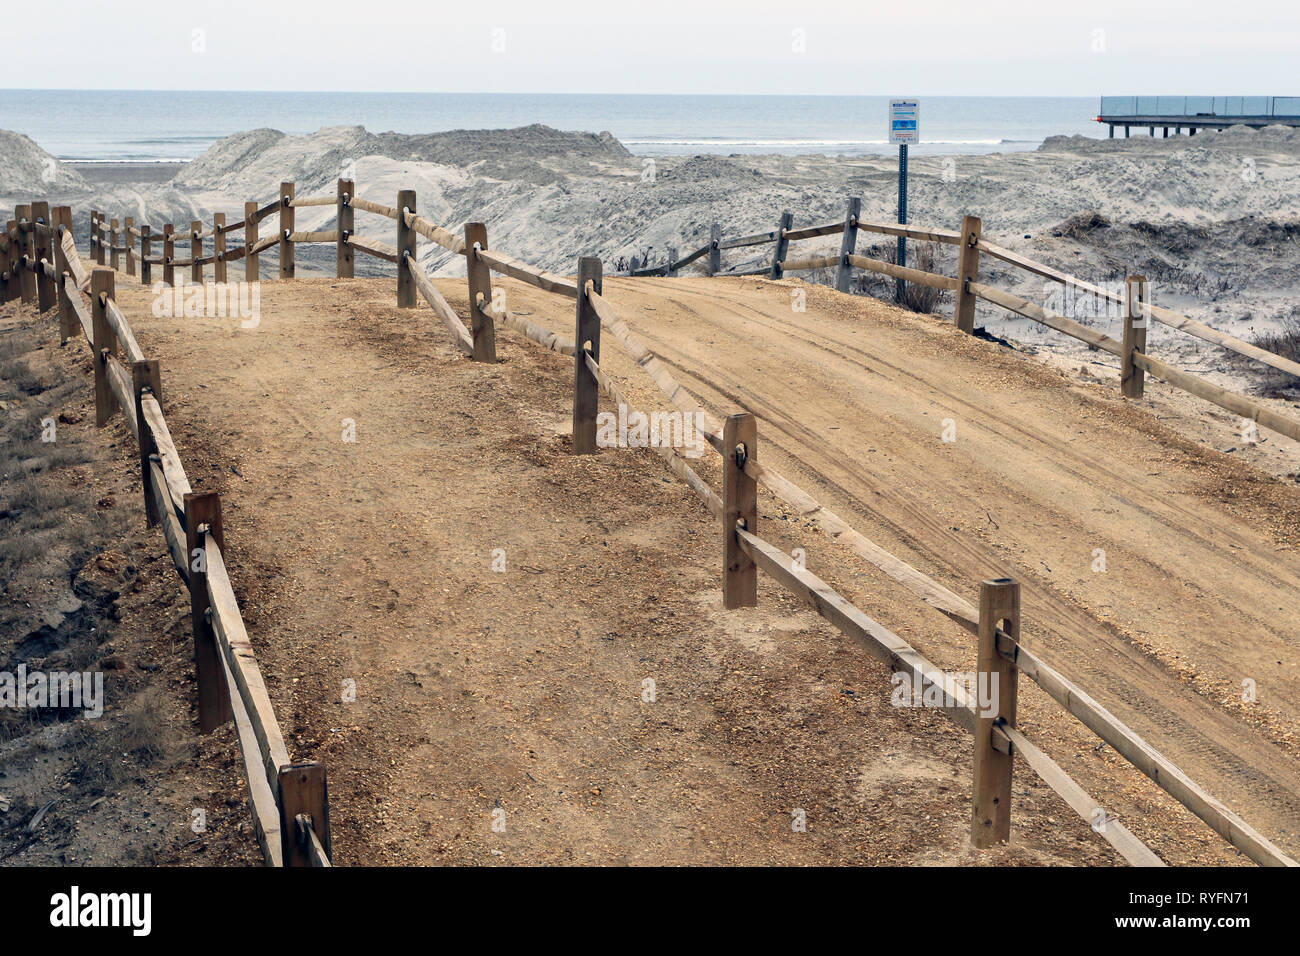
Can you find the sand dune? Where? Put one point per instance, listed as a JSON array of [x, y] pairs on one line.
[[1211, 220]]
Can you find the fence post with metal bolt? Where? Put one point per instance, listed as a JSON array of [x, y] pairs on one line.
[[103, 341], [480, 294], [146, 252], [304, 815], [739, 508], [406, 244], [286, 228], [146, 379], [848, 244], [1132, 379], [586, 390], [782, 246], [968, 271], [347, 189], [203, 519], [995, 703]]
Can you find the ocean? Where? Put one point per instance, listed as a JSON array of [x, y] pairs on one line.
[[163, 126]]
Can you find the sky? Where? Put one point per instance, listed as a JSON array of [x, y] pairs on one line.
[[944, 47]]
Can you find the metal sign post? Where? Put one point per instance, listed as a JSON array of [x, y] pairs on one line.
[[904, 129]]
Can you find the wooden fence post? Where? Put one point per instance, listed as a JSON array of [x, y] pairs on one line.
[[848, 244], [114, 259], [968, 271], [97, 233], [169, 253], [347, 189], [586, 390], [669, 271], [196, 251], [203, 513], [250, 240], [739, 506], [480, 294], [146, 379], [219, 248], [94, 217], [406, 243], [41, 249], [17, 245], [10, 290], [146, 251], [996, 679], [1132, 379], [103, 341], [128, 231], [26, 278], [60, 223], [782, 245], [286, 227], [715, 254], [303, 792]]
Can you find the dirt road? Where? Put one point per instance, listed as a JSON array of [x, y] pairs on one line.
[[1045, 479], [523, 691]]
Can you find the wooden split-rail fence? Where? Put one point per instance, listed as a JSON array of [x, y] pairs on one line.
[[289, 801], [42, 262], [1134, 304]]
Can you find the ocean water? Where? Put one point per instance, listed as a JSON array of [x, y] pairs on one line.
[[139, 126]]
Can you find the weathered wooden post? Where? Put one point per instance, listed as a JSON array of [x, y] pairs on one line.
[[146, 379], [250, 240], [9, 262], [114, 259], [715, 253], [1132, 379], [406, 244], [60, 223], [128, 230], [169, 253], [286, 228], [203, 517], [586, 390], [968, 271], [304, 796], [782, 245], [146, 253], [996, 679], [669, 271], [196, 251], [41, 249], [739, 508], [347, 189], [848, 244], [480, 294], [97, 237], [26, 249], [219, 248], [103, 341]]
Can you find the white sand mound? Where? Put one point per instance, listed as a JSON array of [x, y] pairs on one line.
[[26, 168]]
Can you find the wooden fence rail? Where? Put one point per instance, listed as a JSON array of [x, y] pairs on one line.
[[995, 623]]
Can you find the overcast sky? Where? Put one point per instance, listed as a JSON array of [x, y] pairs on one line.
[[993, 47]]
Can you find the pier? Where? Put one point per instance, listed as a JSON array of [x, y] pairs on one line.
[[1197, 112]]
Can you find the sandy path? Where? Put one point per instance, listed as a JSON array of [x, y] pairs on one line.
[[1201, 582], [479, 691]]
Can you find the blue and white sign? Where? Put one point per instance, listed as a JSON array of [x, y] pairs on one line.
[[904, 122]]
